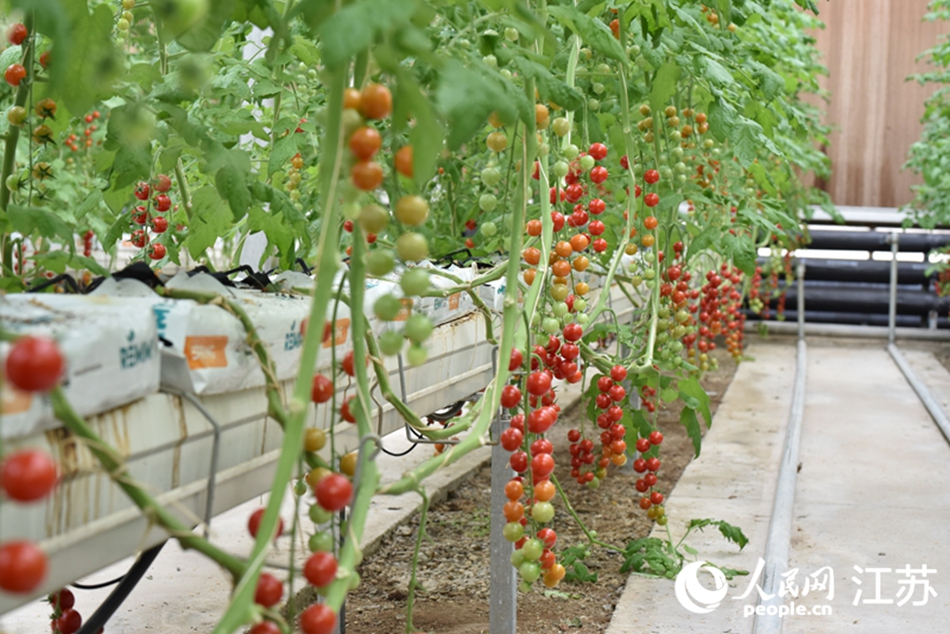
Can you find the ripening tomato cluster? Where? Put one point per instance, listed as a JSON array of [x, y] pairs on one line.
[[149, 215], [73, 140], [531, 451], [651, 500], [613, 446], [720, 313], [33, 364]]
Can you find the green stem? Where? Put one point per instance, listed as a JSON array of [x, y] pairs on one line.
[[410, 600], [239, 610], [13, 136], [115, 466]]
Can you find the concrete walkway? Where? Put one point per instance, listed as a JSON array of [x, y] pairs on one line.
[[871, 492]]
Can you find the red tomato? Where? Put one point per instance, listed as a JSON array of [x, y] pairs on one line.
[[598, 151], [376, 102], [162, 183], [345, 412], [510, 396], [348, 363], [367, 175], [656, 438], [542, 465], [599, 174], [320, 569], [519, 461], [511, 439], [69, 622], [159, 225], [22, 566], [517, 359], [63, 600], [28, 475], [651, 177], [142, 191], [573, 332], [157, 251], [265, 627], [14, 74], [538, 383], [365, 142], [16, 34], [618, 373], [269, 590], [651, 199], [34, 364], [334, 492], [163, 202], [254, 523], [318, 619], [322, 389]]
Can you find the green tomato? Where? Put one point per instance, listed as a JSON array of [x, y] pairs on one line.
[[580, 305], [680, 168], [487, 202], [321, 542], [418, 328], [561, 126], [180, 15], [489, 229], [533, 548], [491, 60], [649, 274], [535, 320], [300, 488], [663, 312], [373, 218], [542, 512], [544, 149], [561, 168], [13, 182], [530, 571], [582, 318], [567, 319], [513, 531], [417, 355], [594, 484], [550, 325], [676, 136], [678, 153], [504, 72], [571, 152], [598, 88], [391, 342], [352, 121], [380, 262], [560, 309], [319, 515], [603, 69], [412, 247], [517, 558], [709, 144], [491, 176], [679, 331], [587, 162], [512, 34], [593, 105], [559, 292], [637, 281], [666, 173], [414, 282], [387, 307], [682, 316], [524, 586]]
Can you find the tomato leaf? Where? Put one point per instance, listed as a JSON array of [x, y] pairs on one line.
[[356, 27], [281, 152], [745, 138], [48, 224], [208, 223], [232, 186], [205, 34], [427, 136], [593, 31], [467, 97], [549, 87], [664, 85], [722, 118], [689, 420]]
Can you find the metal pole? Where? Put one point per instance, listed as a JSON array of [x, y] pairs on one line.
[[503, 597], [894, 239], [800, 272], [780, 526], [936, 411]]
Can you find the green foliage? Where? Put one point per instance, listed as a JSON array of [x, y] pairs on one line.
[[930, 156]]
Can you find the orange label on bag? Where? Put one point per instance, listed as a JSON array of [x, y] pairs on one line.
[[454, 301], [340, 329], [406, 309], [206, 352], [13, 401]]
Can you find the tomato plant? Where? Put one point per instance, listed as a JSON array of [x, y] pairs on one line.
[[652, 147]]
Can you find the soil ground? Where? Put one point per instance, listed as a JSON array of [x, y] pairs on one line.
[[454, 561]]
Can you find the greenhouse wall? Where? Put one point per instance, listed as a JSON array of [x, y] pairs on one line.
[[870, 48]]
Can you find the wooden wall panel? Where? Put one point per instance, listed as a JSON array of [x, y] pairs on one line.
[[870, 47]]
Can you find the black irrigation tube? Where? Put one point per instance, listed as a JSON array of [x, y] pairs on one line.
[[121, 591]]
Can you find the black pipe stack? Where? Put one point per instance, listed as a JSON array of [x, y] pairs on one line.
[[857, 291]]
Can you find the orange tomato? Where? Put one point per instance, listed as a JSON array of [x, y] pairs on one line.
[[532, 256], [561, 268], [563, 249]]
